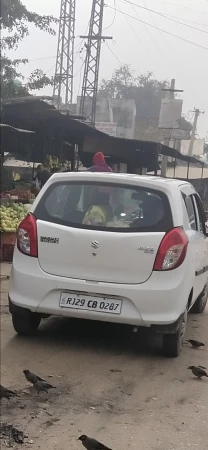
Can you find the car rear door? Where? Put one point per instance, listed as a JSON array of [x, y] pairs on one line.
[[201, 228], [122, 250], [197, 242]]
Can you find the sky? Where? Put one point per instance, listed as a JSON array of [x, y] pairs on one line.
[[141, 45]]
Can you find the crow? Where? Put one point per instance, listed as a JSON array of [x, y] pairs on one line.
[[31, 377], [42, 386], [6, 393], [195, 344], [92, 444], [198, 371]]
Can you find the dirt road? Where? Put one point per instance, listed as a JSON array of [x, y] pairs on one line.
[[110, 383]]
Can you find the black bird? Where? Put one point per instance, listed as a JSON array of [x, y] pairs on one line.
[[42, 386], [31, 377], [6, 393], [198, 371], [195, 344], [92, 444]]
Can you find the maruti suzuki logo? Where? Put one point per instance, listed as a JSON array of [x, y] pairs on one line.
[[95, 244]]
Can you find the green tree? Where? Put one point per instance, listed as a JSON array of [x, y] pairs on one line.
[[145, 89], [15, 19]]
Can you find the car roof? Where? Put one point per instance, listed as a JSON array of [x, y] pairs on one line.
[[146, 180]]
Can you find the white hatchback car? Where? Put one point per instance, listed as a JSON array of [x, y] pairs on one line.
[[112, 247]]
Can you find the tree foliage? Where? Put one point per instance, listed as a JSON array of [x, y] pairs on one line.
[[15, 19], [12, 81], [145, 89]]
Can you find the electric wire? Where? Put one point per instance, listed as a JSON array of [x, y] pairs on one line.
[[164, 15], [113, 53], [164, 31], [129, 23], [114, 18], [155, 42], [183, 7], [154, 21], [148, 31]]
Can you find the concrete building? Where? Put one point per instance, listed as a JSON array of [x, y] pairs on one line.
[[121, 112], [146, 129], [198, 147]]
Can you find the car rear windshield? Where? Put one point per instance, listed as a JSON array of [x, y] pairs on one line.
[[110, 207]]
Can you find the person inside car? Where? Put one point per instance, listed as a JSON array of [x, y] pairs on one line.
[[100, 212]]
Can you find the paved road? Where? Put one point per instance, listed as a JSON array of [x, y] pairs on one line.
[[111, 384]]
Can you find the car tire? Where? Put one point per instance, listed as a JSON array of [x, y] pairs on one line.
[[200, 304], [26, 324], [173, 343]]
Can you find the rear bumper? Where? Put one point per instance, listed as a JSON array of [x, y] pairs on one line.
[[159, 301]]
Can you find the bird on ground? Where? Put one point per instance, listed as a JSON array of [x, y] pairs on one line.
[[198, 371], [92, 444], [195, 344], [31, 377], [42, 386], [7, 393]]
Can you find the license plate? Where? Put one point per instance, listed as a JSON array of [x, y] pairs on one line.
[[90, 303]]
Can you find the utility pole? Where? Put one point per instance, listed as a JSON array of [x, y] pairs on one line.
[[63, 81], [197, 113], [171, 95], [92, 61]]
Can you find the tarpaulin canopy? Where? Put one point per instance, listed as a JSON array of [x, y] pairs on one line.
[[56, 132]]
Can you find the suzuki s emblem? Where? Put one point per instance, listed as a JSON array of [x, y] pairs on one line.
[[95, 244]]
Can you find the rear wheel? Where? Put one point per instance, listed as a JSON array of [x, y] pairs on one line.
[[26, 324], [200, 304], [172, 343]]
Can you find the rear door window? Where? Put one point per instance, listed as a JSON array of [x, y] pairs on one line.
[[200, 214], [191, 211], [105, 206]]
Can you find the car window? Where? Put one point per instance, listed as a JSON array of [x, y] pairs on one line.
[[201, 214], [191, 211], [106, 206]]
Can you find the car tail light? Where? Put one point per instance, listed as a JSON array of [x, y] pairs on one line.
[[172, 250], [27, 236]]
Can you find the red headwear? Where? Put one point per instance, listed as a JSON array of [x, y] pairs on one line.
[[98, 158]]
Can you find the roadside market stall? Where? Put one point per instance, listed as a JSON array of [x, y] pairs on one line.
[[36, 131], [45, 140], [15, 194]]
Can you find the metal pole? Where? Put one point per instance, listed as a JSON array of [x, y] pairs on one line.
[[92, 61], [193, 133], [187, 171], [174, 169], [76, 157], [63, 80], [164, 164]]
